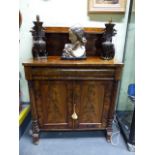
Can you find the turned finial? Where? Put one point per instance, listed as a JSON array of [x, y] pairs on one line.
[[110, 21], [38, 18]]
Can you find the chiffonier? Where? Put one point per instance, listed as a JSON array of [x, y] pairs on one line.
[[69, 95]]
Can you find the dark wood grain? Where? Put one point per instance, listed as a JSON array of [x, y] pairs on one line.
[[56, 85], [57, 37], [65, 30], [89, 97], [58, 88], [56, 61]]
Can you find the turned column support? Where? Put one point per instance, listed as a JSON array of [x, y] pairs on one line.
[[111, 112], [109, 131], [35, 125], [35, 132]]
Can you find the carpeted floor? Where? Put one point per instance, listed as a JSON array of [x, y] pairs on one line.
[[72, 143]]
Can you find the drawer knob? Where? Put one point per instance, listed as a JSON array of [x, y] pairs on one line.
[[74, 115]]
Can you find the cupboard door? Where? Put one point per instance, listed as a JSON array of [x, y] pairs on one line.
[[53, 103], [92, 102]]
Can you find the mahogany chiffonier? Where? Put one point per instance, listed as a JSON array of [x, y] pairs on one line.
[[72, 94]]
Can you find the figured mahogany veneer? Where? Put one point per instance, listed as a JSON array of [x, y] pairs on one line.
[[58, 88], [57, 37]]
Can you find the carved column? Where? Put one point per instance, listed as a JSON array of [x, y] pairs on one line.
[[111, 112], [118, 73], [35, 131], [35, 126]]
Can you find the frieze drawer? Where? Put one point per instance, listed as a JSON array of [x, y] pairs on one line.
[[61, 73]]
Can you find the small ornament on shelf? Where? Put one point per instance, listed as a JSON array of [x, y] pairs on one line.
[[108, 48], [39, 43], [75, 50]]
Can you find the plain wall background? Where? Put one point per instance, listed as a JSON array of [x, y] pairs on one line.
[[63, 13]]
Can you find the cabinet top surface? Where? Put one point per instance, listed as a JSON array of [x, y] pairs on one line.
[[57, 61]]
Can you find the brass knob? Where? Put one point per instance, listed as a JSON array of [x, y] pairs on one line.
[[74, 115]]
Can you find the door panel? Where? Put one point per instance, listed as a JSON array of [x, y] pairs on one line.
[[92, 102], [54, 103]]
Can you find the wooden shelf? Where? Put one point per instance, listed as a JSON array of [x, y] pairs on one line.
[[66, 29], [57, 61]]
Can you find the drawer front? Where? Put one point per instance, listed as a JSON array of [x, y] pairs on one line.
[[62, 73]]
